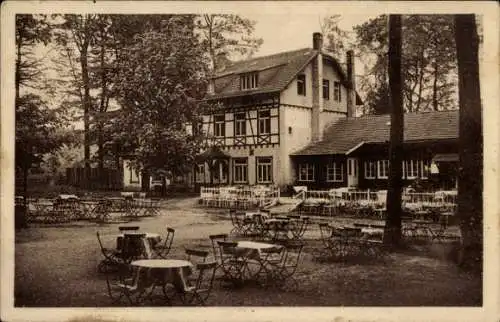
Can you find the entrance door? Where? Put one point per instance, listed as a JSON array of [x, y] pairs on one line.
[[352, 172]]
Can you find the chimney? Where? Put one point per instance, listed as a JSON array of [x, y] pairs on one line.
[[317, 41], [317, 88], [351, 85]]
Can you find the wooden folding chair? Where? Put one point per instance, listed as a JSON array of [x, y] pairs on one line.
[[163, 249], [199, 291], [112, 257]]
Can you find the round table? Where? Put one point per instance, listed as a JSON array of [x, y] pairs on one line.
[[162, 263], [251, 249], [166, 271]]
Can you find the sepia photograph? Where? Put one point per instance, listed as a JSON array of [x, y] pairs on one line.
[[212, 157]]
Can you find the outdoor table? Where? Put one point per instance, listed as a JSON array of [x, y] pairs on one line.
[[280, 227], [166, 271], [152, 238], [252, 214], [369, 232], [252, 251], [68, 197], [147, 242]]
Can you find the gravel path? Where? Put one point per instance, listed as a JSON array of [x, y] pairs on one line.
[[56, 267]]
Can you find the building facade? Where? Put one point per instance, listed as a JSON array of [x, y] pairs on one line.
[[264, 109], [355, 153]]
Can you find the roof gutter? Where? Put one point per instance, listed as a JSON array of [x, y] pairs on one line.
[[357, 146]]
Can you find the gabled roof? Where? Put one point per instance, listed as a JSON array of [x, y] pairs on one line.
[[275, 73], [343, 136]]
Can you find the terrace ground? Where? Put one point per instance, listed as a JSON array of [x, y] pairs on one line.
[[57, 267]]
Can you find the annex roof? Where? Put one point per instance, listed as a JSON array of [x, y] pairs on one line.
[[344, 135]]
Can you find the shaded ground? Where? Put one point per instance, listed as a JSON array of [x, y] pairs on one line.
[[56, 267]]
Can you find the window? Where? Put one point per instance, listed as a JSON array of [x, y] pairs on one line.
[[240, 124], [200, 172], [301, 84], [219, 125], [199, 127], [383, 169], [264, 122], [134, 176], [411, 169], [264, 170], [249, 81], [240, 170], [337, 93], [370, 167], [306, 172], [326, 89], [334, 172]]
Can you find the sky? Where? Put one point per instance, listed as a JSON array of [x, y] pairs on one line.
[[282, 32]]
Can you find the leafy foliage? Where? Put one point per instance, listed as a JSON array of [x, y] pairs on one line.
[[160, 80], [39, 129], [225, 35], [336, 39], [429, 62]]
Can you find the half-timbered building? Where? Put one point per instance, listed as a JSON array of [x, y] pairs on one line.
[[262, 110]]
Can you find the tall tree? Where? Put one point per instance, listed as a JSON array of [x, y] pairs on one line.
[[392, 233], [336, 38], [224, 36], [160, 81], [470, 184], [77, 31], [429, 61], [37, 127]]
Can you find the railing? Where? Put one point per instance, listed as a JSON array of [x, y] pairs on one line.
[[247, 196], [437, 198]]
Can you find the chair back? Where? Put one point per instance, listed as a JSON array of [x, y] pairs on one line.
[[169, 238], [325, 231], [215, 246], [292, 257], [232, 214], [206, 276], [100, 244], [198, 254], [227, 248]]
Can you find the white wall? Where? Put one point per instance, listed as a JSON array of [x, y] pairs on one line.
[[299, 119], [289, 95], [273, 152], [127, 184], [331, 74]]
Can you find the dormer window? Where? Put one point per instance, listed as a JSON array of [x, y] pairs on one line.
[[249, 81]]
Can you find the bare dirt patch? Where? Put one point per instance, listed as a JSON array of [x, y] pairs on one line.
[[56, 267]]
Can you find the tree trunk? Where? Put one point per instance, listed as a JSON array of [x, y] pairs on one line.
[[434, 88], [25, 183], [102, 107], [86, 111], [392, 233], [420, 81], [470, 173]]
